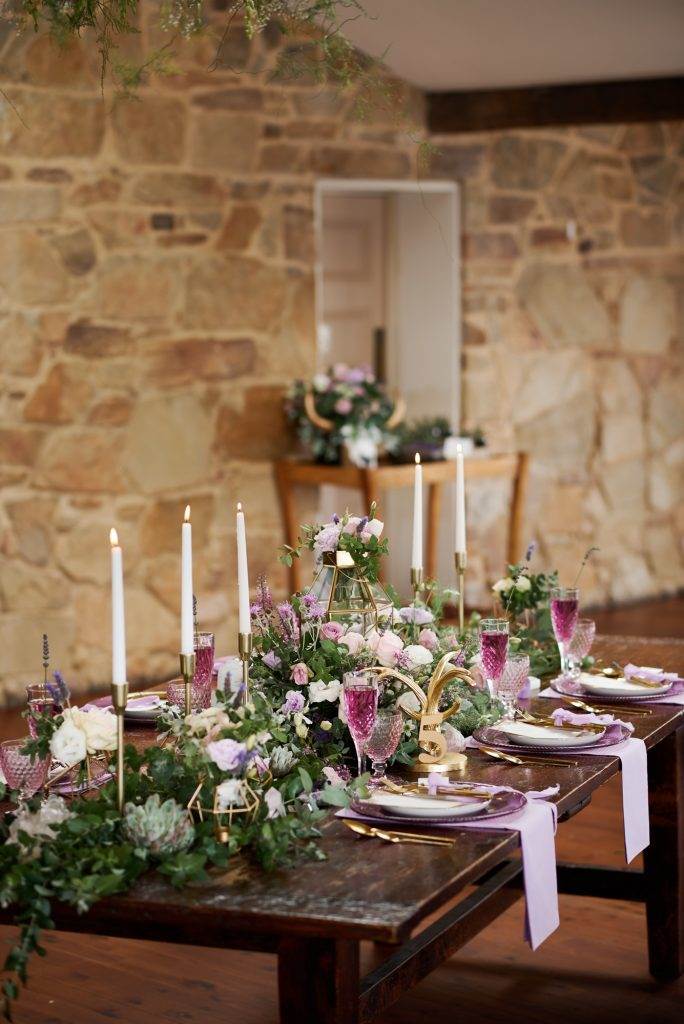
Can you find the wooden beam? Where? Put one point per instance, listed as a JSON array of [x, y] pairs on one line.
[[645, 99]]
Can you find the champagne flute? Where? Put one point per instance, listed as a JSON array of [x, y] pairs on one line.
[[360, 695], [564, 613]]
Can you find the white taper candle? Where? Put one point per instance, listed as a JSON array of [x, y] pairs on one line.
[[460, 541], [118, 617], [187, 630], [417, 549], [244, 618]]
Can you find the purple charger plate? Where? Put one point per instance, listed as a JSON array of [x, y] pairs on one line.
[[106, 703], [491, 737], [501, 804], [571, 688], [69, 789]]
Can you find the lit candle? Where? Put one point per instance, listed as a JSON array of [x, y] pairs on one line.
[[244, 619], [187, 632], [417, 553], [118, 619], [460, 545]]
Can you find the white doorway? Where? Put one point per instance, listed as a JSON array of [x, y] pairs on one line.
[[388, 295]]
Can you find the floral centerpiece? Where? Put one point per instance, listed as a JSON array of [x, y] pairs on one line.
[[347, 407]]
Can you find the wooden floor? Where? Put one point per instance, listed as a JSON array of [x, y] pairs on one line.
[[593, 969]]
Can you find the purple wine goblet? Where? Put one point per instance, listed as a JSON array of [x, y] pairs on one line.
[[564, 613]]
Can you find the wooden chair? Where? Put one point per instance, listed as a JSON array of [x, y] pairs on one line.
[[291, 473]]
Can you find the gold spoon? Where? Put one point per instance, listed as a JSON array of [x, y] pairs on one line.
[[396, 837]]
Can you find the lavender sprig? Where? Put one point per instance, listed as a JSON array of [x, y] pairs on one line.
[[58, 689], [46, 657], [587, 555]]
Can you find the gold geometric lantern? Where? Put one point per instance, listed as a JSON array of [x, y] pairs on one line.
[[347, 595], [224, 817]]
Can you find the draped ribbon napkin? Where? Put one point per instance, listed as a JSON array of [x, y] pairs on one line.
[[633, 760], [536, 825]]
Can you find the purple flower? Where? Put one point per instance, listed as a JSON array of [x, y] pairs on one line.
[[326, 539], [332, 631], [416, 614], [294, 701], [271, 660], [403, 660], [264, 592], [311, 607], [530, 550], [228, 755], [58, 689], [256, 609], [357, 375], [289, 624]]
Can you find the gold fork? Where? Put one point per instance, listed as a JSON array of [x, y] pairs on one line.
[[370, 831], [602, 709], [499, 755]]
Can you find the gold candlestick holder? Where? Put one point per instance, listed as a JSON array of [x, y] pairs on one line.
[[119, 693], [187, 667], [245, 652], [461, 560], [417, 584]]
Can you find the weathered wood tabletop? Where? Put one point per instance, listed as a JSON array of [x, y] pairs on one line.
[[315, 915]]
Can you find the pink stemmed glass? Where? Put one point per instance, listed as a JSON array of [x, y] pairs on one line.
[[564, 613], [515, 672], [204, 658], [580, 645], [40, 702], [493, 650], [24, 775], [360, 695], [384, 740]]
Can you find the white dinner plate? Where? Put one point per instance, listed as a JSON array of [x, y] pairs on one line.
[[408, 806], [528, 735], [602, 686], [144, 708]]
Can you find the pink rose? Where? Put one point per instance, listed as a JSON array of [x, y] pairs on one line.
[[428, 638], [299, 674], [387, 646], [332, 631], [343, 406], [353, 641]]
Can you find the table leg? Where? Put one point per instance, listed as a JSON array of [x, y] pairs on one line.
[[289, 521], [318, 981], [433, 513], [664, 858]]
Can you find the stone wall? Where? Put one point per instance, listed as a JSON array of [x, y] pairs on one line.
[[156, 295], [573, 308]]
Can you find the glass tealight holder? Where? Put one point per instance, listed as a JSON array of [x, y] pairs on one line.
[[200, 694], [22, 773]]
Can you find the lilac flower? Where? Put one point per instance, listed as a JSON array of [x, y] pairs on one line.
[[294, 702], [264, 592], [256, 610], [403, 660], [228, 755], [311, 607], [289, 624], [271, 660], [357, 375], [414, 613], [326, 539]]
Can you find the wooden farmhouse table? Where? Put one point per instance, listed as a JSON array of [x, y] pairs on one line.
[[314, 916]]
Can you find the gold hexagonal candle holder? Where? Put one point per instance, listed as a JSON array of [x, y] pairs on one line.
[[347, 595], [224, 817]]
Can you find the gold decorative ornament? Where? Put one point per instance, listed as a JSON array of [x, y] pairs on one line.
[[417, 584], [434, 756], [346, 593], [323, 423], [119, 693], [223, 817]]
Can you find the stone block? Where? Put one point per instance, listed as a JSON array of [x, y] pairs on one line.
[[149, 132], [542, 381], [31, 271], [235, 294], [31, 521], [112, 411], [563, 306], [19, 203], [457, 161], [282, 158], [178, 190], [60, 124], [77, 251], [510, 209], [230, 99], [524, 162], [647, 316], [562, 439], [161, 524], [622, 437], [243, 221], [20, 351], [20, 643], [138, 288], [60, 398], [96, 340], [350, 162], [19, 446], [189, 359], [227, 142], [168, 443], [618, 388], [25, 588], [639, 138], [665, 412], [643, 228], [255, 431], [81, 460], [491, 245], [624, 485], [299, 234]]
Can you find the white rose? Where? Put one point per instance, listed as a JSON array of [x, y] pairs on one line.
[[99, 727], [522, 584], [68, 744], [373, 528], [320, 381], [318, 691], [455, 739], [418, 655], [503, 586], [408, 701], [230, 793], [353, 642]]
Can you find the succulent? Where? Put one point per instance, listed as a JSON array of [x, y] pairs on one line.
[[282, 761], [162, 828]]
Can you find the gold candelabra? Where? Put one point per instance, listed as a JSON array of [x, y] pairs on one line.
[[187, 667], [461, 560], [245, 652], [119, 693]]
